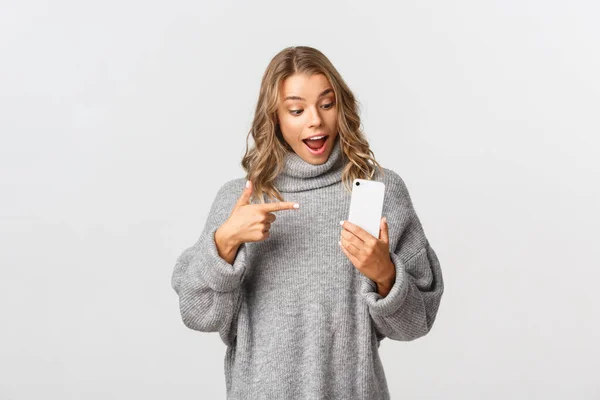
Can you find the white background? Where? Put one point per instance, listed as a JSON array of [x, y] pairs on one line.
[[120, 120]]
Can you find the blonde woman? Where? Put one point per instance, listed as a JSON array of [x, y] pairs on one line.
[[301, 297]]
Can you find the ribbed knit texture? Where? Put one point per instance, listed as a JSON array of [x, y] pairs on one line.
[[299, 320]]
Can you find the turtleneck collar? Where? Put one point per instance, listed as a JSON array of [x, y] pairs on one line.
[[299, 175]]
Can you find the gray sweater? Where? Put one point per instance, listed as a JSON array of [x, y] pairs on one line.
[[299, 320]]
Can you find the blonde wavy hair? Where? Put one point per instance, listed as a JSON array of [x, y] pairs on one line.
[[265, 160]]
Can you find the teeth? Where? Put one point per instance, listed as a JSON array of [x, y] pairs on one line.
[[316, 138]]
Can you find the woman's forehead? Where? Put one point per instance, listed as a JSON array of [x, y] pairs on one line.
[[302, 87]]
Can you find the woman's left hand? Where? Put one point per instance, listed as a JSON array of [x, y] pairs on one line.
[[370, 255]]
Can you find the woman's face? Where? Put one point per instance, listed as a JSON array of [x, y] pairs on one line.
[[307, 108]]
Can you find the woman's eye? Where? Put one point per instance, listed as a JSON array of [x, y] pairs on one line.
[[326, 106]]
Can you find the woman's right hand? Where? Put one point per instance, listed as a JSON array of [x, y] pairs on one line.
[[251, 222]]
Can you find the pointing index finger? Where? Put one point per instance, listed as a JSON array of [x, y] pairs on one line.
[[278, 206]]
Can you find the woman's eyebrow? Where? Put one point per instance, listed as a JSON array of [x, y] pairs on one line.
[[323, 93]]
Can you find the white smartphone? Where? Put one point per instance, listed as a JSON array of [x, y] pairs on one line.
[[366, 205]]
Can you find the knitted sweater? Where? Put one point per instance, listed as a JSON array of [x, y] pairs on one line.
[[298, 319]]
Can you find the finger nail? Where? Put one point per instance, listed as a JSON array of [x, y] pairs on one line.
[[247, 184], [341, 222], [296, 205]]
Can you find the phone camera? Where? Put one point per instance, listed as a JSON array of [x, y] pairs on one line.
[[357, 183]]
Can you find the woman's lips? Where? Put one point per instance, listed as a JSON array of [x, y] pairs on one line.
[[318, 151]]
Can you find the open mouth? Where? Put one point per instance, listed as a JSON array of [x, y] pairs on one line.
[[316, 147]]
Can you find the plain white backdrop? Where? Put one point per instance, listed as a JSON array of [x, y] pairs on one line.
[[120, 120]]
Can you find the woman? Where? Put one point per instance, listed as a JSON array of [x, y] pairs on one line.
[[301, 302]]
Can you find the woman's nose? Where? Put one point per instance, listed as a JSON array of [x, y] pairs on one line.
[[315, 119]]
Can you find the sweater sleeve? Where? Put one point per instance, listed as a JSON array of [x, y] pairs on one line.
[[208, 286], [410, 308]]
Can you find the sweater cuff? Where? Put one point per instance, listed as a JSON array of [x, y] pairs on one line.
[[384, 306], [214, 270]]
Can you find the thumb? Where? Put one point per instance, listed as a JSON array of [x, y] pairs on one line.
[[245, 197], [383, 230]]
